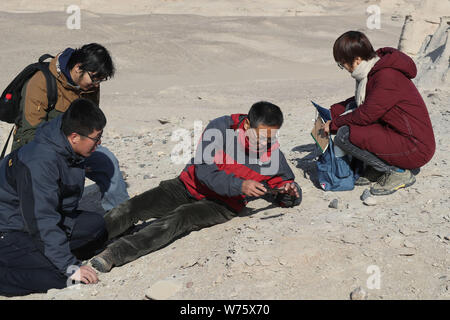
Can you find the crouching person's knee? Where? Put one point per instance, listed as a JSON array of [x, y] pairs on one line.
[[342, 137]]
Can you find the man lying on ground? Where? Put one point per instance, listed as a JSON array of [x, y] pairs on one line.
[[243, 162]]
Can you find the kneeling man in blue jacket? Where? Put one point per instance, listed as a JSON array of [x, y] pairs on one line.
[[43, 235]]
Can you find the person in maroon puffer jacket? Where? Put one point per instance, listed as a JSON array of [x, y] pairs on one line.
[[386, 124]]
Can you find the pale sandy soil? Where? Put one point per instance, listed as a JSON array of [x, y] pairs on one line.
[[188, 67]]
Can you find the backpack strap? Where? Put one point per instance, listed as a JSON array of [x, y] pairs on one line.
[[52, 91], [6, 144], [45, 57]]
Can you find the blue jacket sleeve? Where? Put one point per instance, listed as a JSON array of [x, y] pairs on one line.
[[38, 192]]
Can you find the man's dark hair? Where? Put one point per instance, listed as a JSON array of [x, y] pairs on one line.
[[265, 113], [83, 117], [93, 58], [351, 45]]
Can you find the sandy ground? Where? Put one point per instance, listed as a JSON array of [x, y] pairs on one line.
[[188, 67]]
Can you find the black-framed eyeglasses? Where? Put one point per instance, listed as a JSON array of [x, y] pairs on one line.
[[340, 66], [94, 81], [96, 139]]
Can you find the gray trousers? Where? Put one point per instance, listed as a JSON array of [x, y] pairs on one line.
[[176, 213]]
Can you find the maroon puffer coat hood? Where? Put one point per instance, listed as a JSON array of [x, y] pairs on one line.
[[392, 58]]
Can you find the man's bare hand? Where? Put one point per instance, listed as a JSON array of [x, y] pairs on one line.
[[85, 274], [253, 188], [290, 189]]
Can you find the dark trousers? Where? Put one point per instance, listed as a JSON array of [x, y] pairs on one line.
[[24, 269], [342, 140], [176, 214]]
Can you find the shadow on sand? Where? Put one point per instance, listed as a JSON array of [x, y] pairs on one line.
[[307, 163]]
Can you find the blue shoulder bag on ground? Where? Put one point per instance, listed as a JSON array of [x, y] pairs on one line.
[[335, 173]]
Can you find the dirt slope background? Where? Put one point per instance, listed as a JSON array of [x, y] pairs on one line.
[[197, 62]]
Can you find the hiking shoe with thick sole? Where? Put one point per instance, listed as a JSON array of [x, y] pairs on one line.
[[392, 181], [370, 175], [103, 262]]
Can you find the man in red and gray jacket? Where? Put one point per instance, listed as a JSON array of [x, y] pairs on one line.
[[237, 160]]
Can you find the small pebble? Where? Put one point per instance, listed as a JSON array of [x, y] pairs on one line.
[[407, 252], [405, 231], [163, 120], [366, 194], [370, 201], [358, 294], [163, 289], [334, 204], [408, 244]]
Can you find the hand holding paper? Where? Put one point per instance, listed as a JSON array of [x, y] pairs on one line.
[[320, 137], [326, 127]]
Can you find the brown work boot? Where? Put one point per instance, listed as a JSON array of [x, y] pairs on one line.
[[392, 181], [104, 261]]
